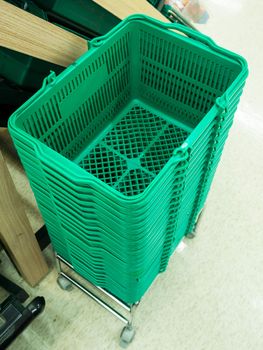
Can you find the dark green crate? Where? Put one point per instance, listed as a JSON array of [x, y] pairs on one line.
[[24, 71], [11, 94], [86, 15]]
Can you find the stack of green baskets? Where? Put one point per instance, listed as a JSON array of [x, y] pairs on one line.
[[121, 148]]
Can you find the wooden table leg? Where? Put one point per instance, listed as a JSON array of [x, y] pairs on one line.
[[16, 232]]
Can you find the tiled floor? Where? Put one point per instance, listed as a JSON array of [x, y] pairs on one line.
[[211, 297]]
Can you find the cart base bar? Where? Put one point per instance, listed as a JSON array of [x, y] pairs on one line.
[[127, 307]]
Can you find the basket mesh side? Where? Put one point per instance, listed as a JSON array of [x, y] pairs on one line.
[[134, 182], [81, 107], [180, 78], [134, 151]]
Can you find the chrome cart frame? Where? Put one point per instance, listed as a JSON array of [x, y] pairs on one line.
[[65, 282], [128, 332]]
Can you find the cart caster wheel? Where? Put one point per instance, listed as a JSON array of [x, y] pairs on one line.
[[190, 235], [127, 336], [64, 284]]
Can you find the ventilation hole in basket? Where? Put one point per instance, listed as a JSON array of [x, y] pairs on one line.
[[135, 182], [104, 165], [162, 150], [134, 132], [117, 53]]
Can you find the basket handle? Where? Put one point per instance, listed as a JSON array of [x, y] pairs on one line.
[[181, 29], [191, 33]]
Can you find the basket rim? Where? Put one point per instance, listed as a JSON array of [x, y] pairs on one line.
[[180, 153]]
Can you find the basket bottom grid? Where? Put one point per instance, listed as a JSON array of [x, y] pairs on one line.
[[131, 151]]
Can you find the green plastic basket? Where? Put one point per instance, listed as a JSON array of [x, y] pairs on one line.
[[121, 148]]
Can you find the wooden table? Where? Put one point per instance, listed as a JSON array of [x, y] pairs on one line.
[[16, 233], [23, 32]]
